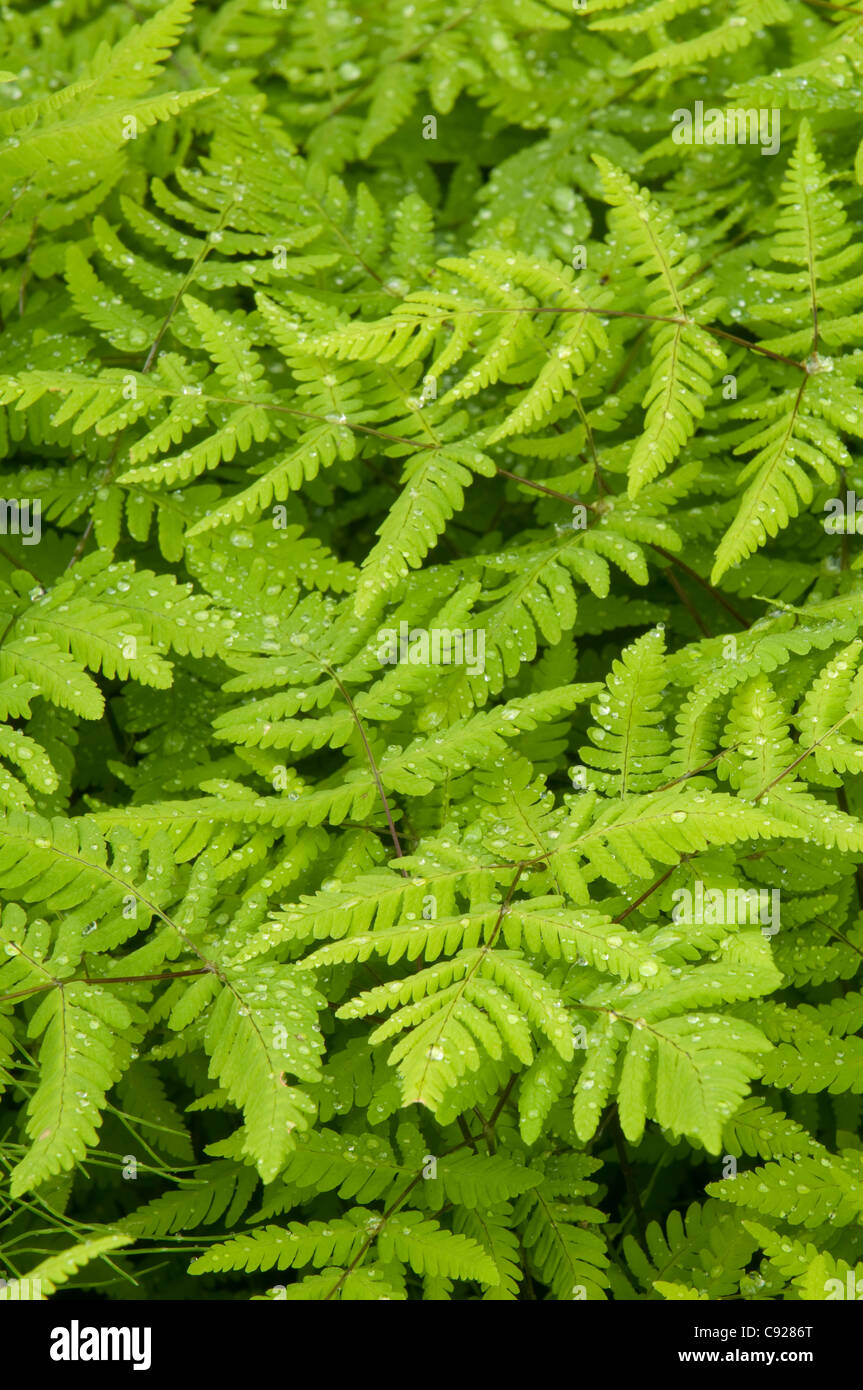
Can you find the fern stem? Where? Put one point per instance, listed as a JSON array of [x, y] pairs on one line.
[[414, 52], [103, 980], [754, 347], [693, 574], [658, 318], [390, 1212], [372, 764], [468, 1137], [672, 559], [831, 5], [502, 1100], [684, 777], [548, 491], [188, 279], [687, 603], [652, 889], [629, 1178], [851, 714], [366, 1245], [149, 362]]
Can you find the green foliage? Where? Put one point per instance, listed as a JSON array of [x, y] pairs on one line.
[[431, 700]]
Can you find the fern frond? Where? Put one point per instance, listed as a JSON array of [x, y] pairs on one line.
[[686, 359]]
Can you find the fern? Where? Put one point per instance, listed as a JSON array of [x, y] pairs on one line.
[[431, 703]]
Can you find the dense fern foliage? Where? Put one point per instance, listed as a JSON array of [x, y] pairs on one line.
[[431, 649]]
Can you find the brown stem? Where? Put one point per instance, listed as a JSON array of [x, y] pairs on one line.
[[103, 980], [693, 574], [652, 889], [687, 603], [811, 749], [753, 347], [684, 777], [548, 491], [504, 1097]]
